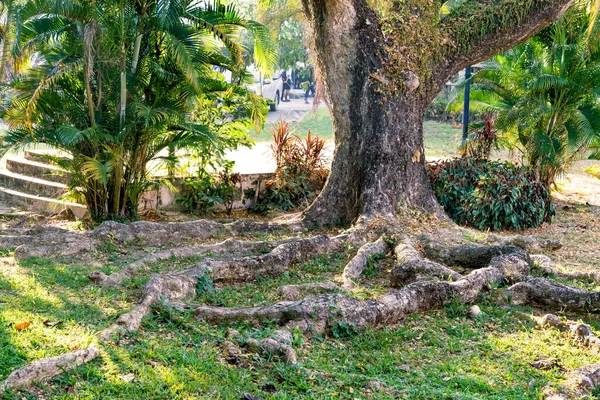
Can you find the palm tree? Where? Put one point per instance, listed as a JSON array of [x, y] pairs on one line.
[[545, 94], [117, 82]]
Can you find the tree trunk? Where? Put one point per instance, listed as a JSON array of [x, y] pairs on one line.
[[381, 74], [5, 43], [379, 160]]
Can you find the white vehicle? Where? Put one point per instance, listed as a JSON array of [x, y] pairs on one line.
[[271, 89]]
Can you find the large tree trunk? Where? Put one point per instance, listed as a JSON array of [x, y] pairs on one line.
[[379, 93]]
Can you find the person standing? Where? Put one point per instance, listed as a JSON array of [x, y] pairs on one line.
[[287, 86], [310, 88]]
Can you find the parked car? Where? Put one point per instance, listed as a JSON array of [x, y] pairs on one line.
[[271, 89]]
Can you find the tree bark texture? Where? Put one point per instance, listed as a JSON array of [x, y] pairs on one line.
[[380, 80]]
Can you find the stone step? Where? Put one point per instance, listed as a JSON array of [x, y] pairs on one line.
[[41, 156], [40, 204], [33, 186], [36, 169]]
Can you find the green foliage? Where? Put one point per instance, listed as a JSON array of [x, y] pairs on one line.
[[545, 95], [437, 111], [200, 195], [291, 42], [341, 329], [204, 285], [300, 173], [490, 195], [116, 85], [481, 141], [594, 170], [229, 115]]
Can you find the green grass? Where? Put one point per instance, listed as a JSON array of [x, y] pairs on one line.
[[441, 139], [319, 124], [442, 354]]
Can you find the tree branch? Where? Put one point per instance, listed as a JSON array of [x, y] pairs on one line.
[[480, 29]]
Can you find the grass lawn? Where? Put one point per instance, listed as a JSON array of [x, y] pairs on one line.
[[442, 354], [441, 139]]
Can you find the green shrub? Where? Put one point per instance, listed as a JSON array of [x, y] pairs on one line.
[[200, 195], [490, 195], [300, 174]]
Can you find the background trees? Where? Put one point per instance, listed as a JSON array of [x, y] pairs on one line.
[[115, 84], [545, 94]]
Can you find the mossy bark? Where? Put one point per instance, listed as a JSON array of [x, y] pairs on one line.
[[381, 74]]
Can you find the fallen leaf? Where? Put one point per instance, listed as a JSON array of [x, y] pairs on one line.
[[22, 326], [127, 378], [446, 379], [52, 323], [404, 367], [154, 363]]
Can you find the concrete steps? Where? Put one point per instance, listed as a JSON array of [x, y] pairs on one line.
[[41, 156], [32, 181], [35, 169], [35, 186], [41, 204]]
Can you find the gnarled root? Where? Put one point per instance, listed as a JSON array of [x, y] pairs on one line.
[[412, 267], [358, 263], [466, 256], [530, 244], [230, 246], [174, 286], [545, 293], [580, 384], [318, 314], [417, 270], [48, 368], [279, 345], [581, 332], [47, 241], [544, 263]]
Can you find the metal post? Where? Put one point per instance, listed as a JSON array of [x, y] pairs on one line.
[[466, 104]]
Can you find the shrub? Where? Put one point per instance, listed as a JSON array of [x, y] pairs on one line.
[[202, 194], [490, 195], [480, 142], [300, 172]]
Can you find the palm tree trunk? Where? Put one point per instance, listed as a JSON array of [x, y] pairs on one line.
[[5, 42]]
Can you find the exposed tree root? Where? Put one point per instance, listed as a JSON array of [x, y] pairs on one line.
[[489, 266], [230, 246], [279, 345], [356, 266], [530, 244], [544, 264], [413, 271], [174, 286], [46, 241], [466, 256], [295, 292], [581, 332], [318, 314], [48, 368], [412, 267], [547, 294], [580, 384]]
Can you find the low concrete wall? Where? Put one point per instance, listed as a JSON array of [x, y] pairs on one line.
[[165, 197]]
